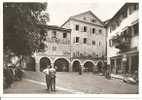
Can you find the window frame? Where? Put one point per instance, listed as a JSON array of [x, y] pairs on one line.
[[65, 35], [76, 39], [77, 27], [85, 40], [85, 29]]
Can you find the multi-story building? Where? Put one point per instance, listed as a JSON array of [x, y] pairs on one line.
[[122, 40], [88, 38], [79, 43], [57, 48]]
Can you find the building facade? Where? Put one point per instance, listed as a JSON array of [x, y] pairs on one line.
[[79, 43], [57, 49], [122, 40], [88, 39]]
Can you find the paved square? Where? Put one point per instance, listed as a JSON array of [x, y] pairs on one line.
[[70, 82]]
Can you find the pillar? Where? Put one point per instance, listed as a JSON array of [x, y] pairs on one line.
[[70, 67], [37, 67], [115, 66], [37, 64], [130, 64], [82, 67], [124, 63], [52, 64]]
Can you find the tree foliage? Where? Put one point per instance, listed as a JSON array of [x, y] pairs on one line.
[[22, 34]]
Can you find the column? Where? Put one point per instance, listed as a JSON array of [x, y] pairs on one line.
[[130, 64], [124, 63], [115, 66], [52, 64], [70, 67], [82, 67], [132, 30], [37, 66]]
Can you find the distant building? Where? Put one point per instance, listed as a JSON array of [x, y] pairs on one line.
[[122, 40]]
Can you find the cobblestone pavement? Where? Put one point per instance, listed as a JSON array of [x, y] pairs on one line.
[[26, 86], [71, 82]]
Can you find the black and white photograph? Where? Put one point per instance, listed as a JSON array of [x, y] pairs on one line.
[[66, 47]]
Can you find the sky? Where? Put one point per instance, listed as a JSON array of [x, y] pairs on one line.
[[59, 11]]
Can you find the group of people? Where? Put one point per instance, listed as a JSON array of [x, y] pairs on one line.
[[11, 73], [50, 76]]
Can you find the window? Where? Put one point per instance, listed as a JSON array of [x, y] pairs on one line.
[[54, 34], [85, 29], [124, 14], [85, 40], [93, 30], [77, 40], [136, 7], [110, 29], [93, 20], [136, 29], [93, 43], [77, 27], [117, 22], [64, 35], [100, 31]]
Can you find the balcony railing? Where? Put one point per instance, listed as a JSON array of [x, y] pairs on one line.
[[122, 42], [82, 56], [56, 40]]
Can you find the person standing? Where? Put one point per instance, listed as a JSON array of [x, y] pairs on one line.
[[47, 77], [80, 70], [52, 73]]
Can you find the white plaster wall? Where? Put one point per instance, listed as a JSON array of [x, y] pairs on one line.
[[61, 49], [97, 37], [89, 17], [112, 51], [67, 25], [134, 42]]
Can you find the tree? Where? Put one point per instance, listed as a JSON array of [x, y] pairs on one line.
[[22, 34]]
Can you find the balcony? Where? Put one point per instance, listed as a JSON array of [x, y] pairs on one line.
[[56, 40], [122, 42], [85, 56]]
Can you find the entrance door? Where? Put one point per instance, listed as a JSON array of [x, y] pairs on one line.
[[75, 66], [44, 62], [62, 65], [89, 66]]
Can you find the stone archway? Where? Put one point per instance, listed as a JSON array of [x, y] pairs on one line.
[[44, 61], [88, 65], [75, 66], [61, 65], [31, 64], [100, 66]]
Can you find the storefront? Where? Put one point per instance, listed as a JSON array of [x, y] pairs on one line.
[[125, 63]]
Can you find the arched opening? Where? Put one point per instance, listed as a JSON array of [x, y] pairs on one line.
[[31, 64], [44, 62], [89, 66], [99, 66], [75, 66], [62, 65]]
